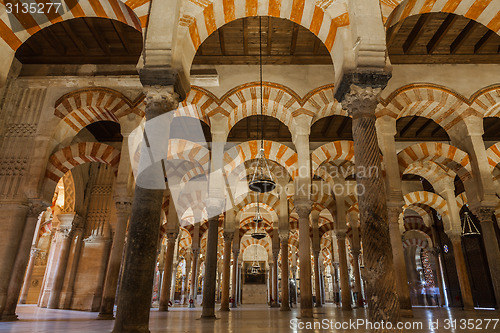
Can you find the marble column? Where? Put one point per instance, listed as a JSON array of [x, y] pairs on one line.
[[285, 285], [210, 279], [167, 272], [336, 284], [186, 282], [399, 262], [63, 236], [234, 282], [463, 276], [194, 276], [303, 208], [275, 303], [361, 102], [485, 215], [357, 277], [123, 208], [136, 284], [226, 271], [317, 282], [27, 278], [437, 257], [12, 219], [345, 288], [22, 258]]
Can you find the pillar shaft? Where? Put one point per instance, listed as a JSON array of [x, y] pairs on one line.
[[285, 286], [463, 276], [317, 280], [210, 279], [357, 277], [22, 258], [399, 260], [234, 282], [27, 277], [306, 307], [194, 276], [167, 272], [226, 271], [108, 296], [275, 278], [381, 285], [345, 288]]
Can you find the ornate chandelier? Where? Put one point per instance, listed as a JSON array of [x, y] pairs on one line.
[[262, 179], [257, 233]]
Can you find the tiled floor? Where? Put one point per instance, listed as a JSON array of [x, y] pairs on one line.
[[251, 319]]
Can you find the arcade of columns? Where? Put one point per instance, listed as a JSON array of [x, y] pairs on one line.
[[77, 224]]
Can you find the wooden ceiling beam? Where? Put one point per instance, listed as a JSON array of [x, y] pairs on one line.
[[441, 32], [427, 123], [326, 127], [245, 37], [269, 35], [342, 126], [483, 41], [462, 37], [98, 35], [222, 42], [121, 35], [254, 59], [415, 33], [295, 34], [392, 34], [76, 40], [437, 129], [407, 126]]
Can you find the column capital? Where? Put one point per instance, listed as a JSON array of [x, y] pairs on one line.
[[276, 253], [171, 236], [164, 77], [303, 207], [373, 79], [236, 252], [34, 251], [361, 101], [284, 237], [340, 234], [228, 236], [195, 252], [123, 206], [393, 212], [484, 214], [36, 207], [355, 252]]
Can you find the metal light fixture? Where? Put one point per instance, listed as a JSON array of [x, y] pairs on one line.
[[468, 226], [262, 179], [258, 234], [255, 267]]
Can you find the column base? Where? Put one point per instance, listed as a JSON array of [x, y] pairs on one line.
[[9, 317], [306, 313], [224, 309], [208, 317], [275, 305], [105, 316], [287, 308], [405, 313], [318, 305]]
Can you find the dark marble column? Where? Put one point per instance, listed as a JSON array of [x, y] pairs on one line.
[[317, 282], [22, 258], [123, 208], [210, 278], [226, 271], [275, 302], [485, 215], [357, 277], [285, 286], [345, 288], [194, 277], [303, 208], [134, 297], [234, 282], [463, 276], [167, 272], [361, 101]]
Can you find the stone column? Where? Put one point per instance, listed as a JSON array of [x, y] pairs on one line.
[[303, 208], [210, 278], [123, 208], [336, 289], [136, 284], [345, 288], [27, 279], [285, 285], [294, 277], [226, 271], [357, 277], [234, 282], [399, 262], [276, 253], [167, 272], [186, 282], [437, 257], [317, 282], [463, 276], [22, 258], [361, 102], [12, 219], [194, 276], [485, 215], [63, 235]]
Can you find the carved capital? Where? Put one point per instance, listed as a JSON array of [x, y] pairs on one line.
[[159, 100], [355, 252], [361, 102], [171, 236], [303, 207], [276, 253], [341, 235], [195, 252], [284, 237], [393, 213], [123, 207], [228, 236], [484, 214], [34, 252], [36, 207]]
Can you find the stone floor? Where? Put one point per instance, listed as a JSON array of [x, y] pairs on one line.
[[251, 319]]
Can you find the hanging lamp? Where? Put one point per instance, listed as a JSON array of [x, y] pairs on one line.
[[255, 267], [257, 233], [468, 226], [262, 179]]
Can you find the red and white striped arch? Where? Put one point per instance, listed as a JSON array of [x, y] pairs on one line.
[[332, 151], [438, 152], [273, 151], [80, 153], [429, 170], [486, 12], [322, 101], [416, 223], [429, 199], [487, 101], [430, 101], [422, 243], [111, 9], [201, 18], [181, 149], [249, 241]]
